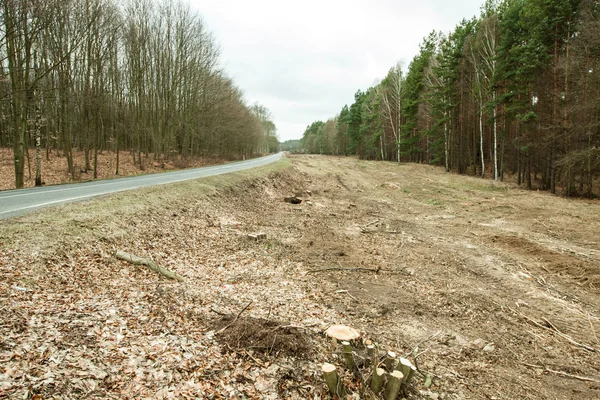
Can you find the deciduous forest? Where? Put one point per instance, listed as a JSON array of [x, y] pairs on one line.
[[514, 91], [140, 78]]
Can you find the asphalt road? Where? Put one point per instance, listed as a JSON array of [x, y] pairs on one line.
[[19, 202]]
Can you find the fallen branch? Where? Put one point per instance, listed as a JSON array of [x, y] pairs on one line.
[[235, 319], [415, 352], [559, 333], [291, 326], [363, 229], [415, 349], [349, 295], [371, 223], [218, 312], [376, 270], [245, 353], [561, 373], [135, 260], [343, 269], [375, 231], [592, 326]]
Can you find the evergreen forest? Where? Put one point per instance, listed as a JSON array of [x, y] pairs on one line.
[[514, 91]]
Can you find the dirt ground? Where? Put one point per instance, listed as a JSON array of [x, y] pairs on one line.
[[54, 168], [494, 288]]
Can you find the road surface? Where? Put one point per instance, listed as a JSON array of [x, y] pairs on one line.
[[19, 202]]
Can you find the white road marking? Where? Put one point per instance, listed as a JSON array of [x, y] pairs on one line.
[[99, 184], [47, 203], [240, 166]]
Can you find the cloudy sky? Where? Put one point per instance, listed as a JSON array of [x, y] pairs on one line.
[[305, 59]]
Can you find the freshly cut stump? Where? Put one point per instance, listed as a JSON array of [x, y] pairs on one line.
[[378, 380], [390, 361], [393, 385], [342, 333], [406, 367], [370, 355], [348, 356], [331, 377]]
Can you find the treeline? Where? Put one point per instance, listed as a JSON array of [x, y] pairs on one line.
[[516, 90], [290, 145], [141, 76]]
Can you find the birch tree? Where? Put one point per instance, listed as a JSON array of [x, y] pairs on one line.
[[392, 87], [488, 53]]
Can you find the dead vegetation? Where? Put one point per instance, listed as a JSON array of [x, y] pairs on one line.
[[492, 290], [264, 337]]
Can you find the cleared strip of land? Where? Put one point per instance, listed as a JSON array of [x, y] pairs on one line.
[[495, 287]]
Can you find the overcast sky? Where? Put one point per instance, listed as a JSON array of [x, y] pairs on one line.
[[305, 59]]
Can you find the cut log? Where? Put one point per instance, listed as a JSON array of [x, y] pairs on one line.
[[135, 260], [292, 200], [378, 380], [392, 388], [332, 379], [348, 356], [257, 236]]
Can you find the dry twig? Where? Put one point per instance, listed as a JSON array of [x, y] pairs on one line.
[[348, 293], [561, 373], [415, 351], [218, 312], [291, 326], [244, 353], [235, 319], [343, 269], [376, 270], [592, 327], [363, 229], [555, 330]]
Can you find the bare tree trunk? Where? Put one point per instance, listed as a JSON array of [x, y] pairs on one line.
[[446, 145], [38, 150], [496, 174]]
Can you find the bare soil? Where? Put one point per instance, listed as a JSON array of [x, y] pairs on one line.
[[54, 167], [495, 288]]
